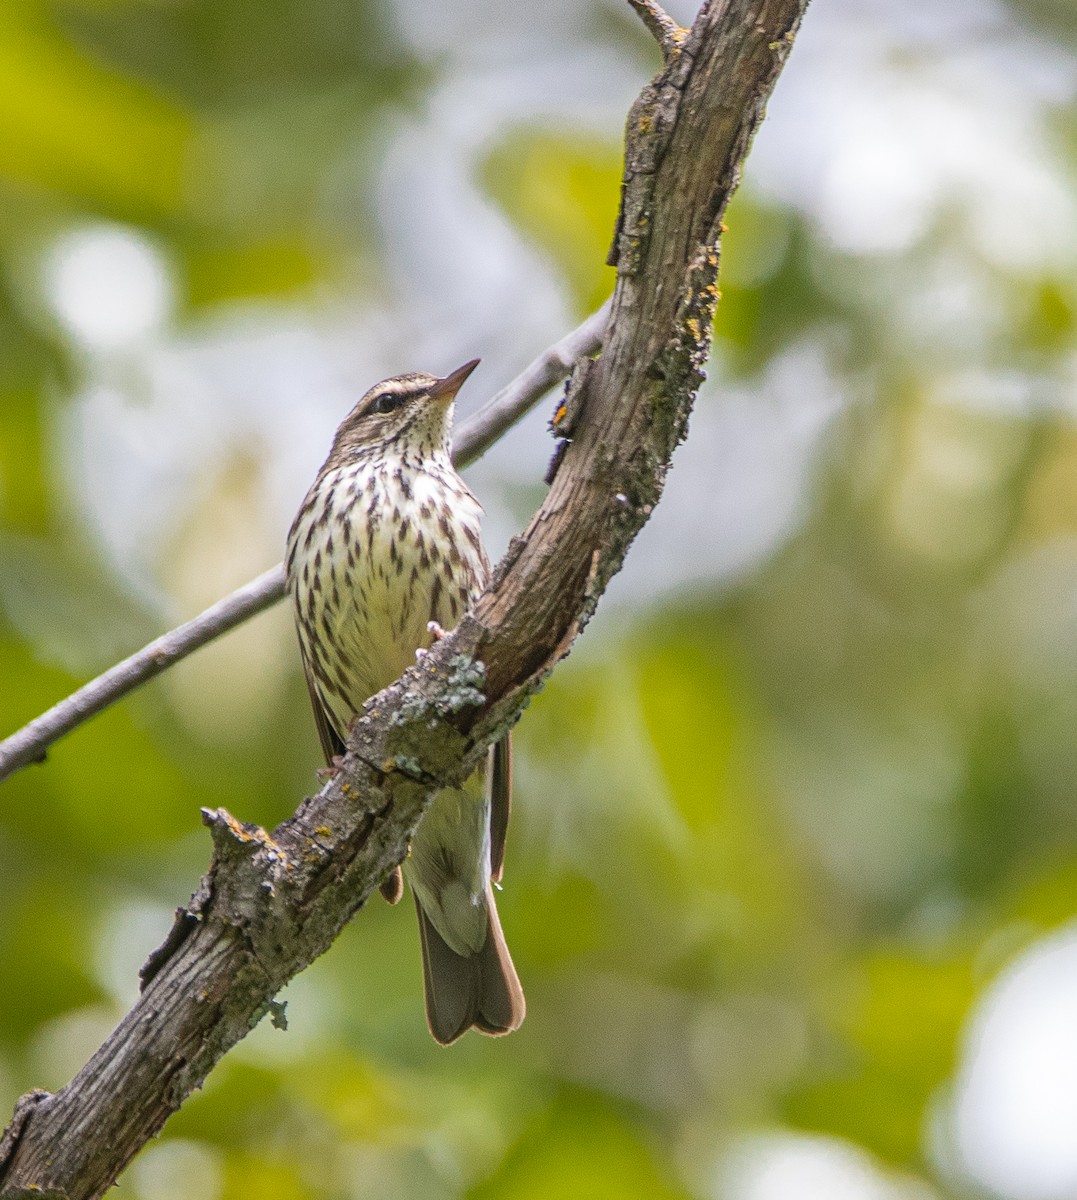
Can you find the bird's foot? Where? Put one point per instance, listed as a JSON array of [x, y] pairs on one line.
[[436, 634], [336, 765]]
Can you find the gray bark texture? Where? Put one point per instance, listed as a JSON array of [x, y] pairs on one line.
[[272, 902]]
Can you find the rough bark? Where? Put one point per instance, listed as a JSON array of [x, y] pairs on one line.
[[271, 903]]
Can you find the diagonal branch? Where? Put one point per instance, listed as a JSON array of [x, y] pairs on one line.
[[29, 744], [270, 903]]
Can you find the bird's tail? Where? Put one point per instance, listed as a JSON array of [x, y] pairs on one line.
[[479, 988]]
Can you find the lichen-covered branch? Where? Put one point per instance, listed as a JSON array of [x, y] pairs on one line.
[[271, 902]]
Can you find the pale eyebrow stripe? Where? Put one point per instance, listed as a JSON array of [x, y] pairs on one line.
[[396, 387]]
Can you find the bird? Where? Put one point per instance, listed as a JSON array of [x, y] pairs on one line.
[[384, 554]]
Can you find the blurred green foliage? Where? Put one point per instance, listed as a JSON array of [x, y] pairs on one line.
[[562, 190], [775, 836]]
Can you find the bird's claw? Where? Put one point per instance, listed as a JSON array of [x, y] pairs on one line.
[[336, 765], [436, 631]]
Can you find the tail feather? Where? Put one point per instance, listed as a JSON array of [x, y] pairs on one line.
[[480, 989]]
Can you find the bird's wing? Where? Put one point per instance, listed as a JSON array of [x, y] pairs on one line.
[[332, 743], [500, 800], [392, 886], [500, 770]]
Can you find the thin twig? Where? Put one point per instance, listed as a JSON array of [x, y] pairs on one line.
[[29, 744], [475, 437], [480, 432], [667, 33]]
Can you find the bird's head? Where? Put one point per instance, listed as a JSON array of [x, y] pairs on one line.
[[409, 415]]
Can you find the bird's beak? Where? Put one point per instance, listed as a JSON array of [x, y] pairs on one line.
[[445, 389]]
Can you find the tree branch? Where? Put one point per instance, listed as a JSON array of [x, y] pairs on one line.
[[666, 32], [270, 903], [29, 744]]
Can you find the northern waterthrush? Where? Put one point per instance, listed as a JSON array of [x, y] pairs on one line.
[[386, 548]]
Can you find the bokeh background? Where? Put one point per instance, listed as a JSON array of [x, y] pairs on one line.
[[792, 882]]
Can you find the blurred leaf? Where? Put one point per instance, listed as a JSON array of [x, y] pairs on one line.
[[44, 948], [1046, 900], [992, 810], [254, 1178], [563, 919], [362, 1103], [250, 52], [1050, 320], [563, 192], [581, 1150], [24, 497], [768, 296], [1049, 503], [1055, 17], [105, 787], [239, 1100], [755, 243], [216, 272], [68, 123], [902, 1031], [743, 880]]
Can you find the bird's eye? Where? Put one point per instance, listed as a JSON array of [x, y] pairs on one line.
[[387, 402]]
